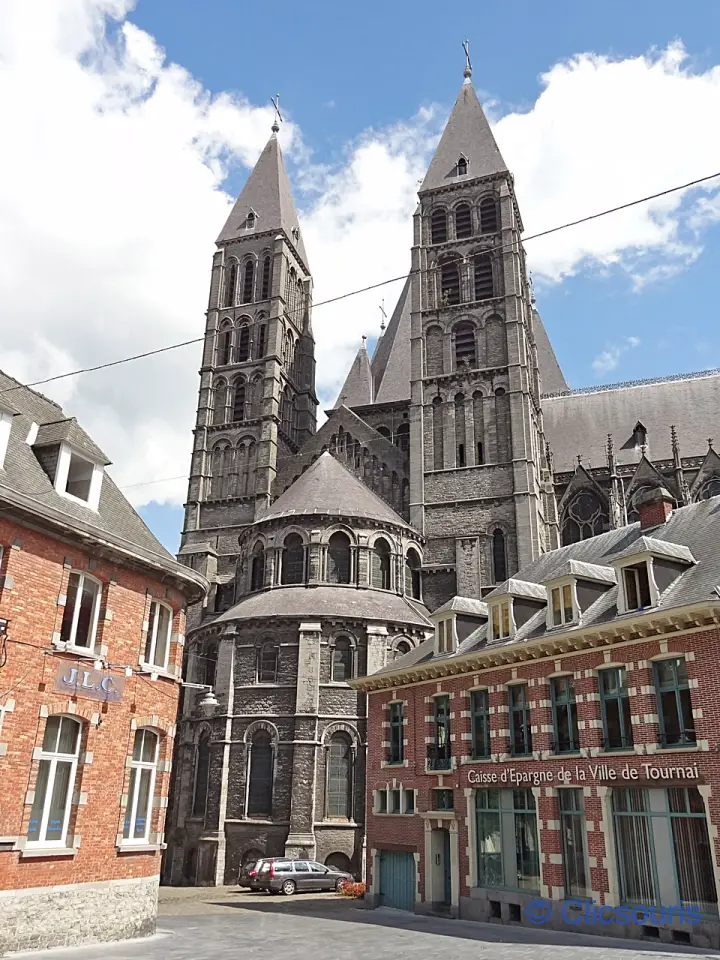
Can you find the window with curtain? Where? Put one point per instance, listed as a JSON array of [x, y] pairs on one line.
[[143, 769], [57, 769], [615, 702], [506, 820], [261, 776], [339, 558], [380, 564], [202, 775], [157, 642], [520, 731], [672, 690], [339, 778]]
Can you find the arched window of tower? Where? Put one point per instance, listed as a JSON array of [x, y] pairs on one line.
[[257, 395], [248, 282], [221, 464], [339, 778], [499, 556], [342, 661], [261, 775], [380, 565], [438, 442], [230, 283], [502, 424], [450, 282], [438, 226], [224, 344], [463, 221], [412, 575], [202, 775], [495, 342], [293, 560], [257, 567], [464, 336], [433, 352], [462, 167], [339, 558], [459, 430], [402, 437], [266, 271], [262, 341], [479, 427], [243, 348], [239, 401], [488, 215], [220, 401], [483, 275], [267, 665]]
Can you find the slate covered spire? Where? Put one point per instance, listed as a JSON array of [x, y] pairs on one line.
[[467, 135], [268, 196], [357, 391]]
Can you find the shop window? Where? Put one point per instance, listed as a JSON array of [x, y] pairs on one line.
[[617, 728], [157, 642], [143, 769], [565, 720], [57, 769], [480, 723], [572, 831], [672, 689], [520, 732], [261, 775], [507, 821], [80, 615], [636, 581], [397, 751]]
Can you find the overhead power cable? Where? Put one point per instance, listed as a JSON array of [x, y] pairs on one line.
[[372, 286]]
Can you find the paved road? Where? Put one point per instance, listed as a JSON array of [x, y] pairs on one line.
[[231, 926]]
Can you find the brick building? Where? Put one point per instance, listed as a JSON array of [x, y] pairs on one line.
[[559, 740], [92, 622]]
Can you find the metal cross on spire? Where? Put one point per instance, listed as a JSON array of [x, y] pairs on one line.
[[467, 73], [275, 101], [383, 317]]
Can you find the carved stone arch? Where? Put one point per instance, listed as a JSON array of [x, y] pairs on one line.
[[502, 527], [266, 726], [341, 726], [294, 528], [197, 732], [341, 633], [338, 527], [399, 642]]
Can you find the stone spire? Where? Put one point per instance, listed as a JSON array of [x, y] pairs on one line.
[[357, 391]]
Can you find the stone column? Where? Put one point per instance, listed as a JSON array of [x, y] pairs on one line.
[[301, 837], [376, 646]]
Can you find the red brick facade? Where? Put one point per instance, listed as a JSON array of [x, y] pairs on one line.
[[598, 772]]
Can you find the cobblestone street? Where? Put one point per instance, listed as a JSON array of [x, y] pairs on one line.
[[224, 924]]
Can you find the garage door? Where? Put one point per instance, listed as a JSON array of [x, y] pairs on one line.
[[397, 880]]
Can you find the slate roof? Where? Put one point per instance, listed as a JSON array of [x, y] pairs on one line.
[[552, 379], [26, 488], [391, 359], [328, 601], [694, 529], [328, 488], [578, 422], [475, 608], [68, 429], [357, 391], [466, 134], [267, 191]]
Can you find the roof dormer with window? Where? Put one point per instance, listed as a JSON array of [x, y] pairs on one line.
[[511, 605], [574, 589], [78, 478], [646, 569], [74, 464], [6, 418], [455, 621]]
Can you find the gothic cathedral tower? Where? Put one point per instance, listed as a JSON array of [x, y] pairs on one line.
[[480, 490], [257, 402]]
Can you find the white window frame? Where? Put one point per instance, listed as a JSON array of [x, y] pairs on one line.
[[446, 635], [95, 617], [623, 606], [53, 758], [561, 585], [131, 810], [498, 608], [153, 624], [5, 427], [62, 470]]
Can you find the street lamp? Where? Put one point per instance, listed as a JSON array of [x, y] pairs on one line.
[[209, 702]]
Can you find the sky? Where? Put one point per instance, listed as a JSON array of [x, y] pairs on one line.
[[129, 128]]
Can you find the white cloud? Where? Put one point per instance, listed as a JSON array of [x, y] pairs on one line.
[[609, 358], [111, 195]]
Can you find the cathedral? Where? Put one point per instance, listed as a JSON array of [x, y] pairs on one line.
[[453, 456]]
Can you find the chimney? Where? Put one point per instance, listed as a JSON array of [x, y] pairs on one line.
[[655, 507]]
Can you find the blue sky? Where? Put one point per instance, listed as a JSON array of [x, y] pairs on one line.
[[595, 103]]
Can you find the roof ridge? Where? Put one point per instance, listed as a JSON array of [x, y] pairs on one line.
[[625, 384], [24, 386]]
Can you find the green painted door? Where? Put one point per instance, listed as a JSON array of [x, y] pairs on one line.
[[397, 880]]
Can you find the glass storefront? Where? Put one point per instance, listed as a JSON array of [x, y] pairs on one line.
[[507, 839]]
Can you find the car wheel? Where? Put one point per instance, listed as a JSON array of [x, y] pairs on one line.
[[340, 885], [288, 888]]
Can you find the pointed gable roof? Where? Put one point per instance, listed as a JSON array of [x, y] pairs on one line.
[[329, 489], [467, 134], [552, 379], [391, 360], [357, 391], [267, 192]]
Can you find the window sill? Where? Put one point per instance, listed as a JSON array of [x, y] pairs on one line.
[[690, 747], [31, 852], [158, 671], [438, 814], [84, 653], [126, 847], [408, 813]]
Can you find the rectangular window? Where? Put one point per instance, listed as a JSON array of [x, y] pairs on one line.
[[637, 587], [565, 721], [396, 733], [79, 478], [138, 816], [441, 637], [381, 805], [507, 839], [663, 848], [480, 720], [520, 732], [50, 812], [672, 688], [561, 603], [527, 853], [394, 801], [409, 801], [442, 799], [80, 616], [501, 620], [439, 751], [572, 830], [489, 838], [157, 643], [617, 729]]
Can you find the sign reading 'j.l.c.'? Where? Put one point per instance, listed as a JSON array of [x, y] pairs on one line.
[[93, 684]]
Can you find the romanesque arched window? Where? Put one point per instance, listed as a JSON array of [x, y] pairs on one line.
[[256, 401], [339, 778], [221, 464], [584, 517], [464, 336], [461, 167], [265, 288], [342, 661], [248, 282], [267, 663], [437, 422], [230, 283], [433, 351], [239, 401], [202, 775], [243, 345], [502, 424], [438, 226], [499, 556], [224, 344], [460, 454], [261, 775], [401, 649], [385, 432], [495, 342], [339, 558], [261, 341], [245, 458], [257, 567], [463, 221], [488, 215], [412, 575], [479, 427], [483, 276], [450, 282], [380, 564], [293, 560], [711, 488], [208, 665], [220, 401], [402, 437]]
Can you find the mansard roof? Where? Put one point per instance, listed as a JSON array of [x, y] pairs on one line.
[[267, 193], [391, 360], [327, 488], [28, 493], [467, 134], [357, 391], [579, 422]]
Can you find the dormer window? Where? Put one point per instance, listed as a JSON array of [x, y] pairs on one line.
[[78, 478], [446, 635], [250, 220], [501, 620], [462, 167], [636, 583], [646, 569], [5, 424], [561, 607]]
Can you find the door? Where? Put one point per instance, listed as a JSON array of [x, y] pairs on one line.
[[303, 875], [447, 891], [397, 880], [321, 877]]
